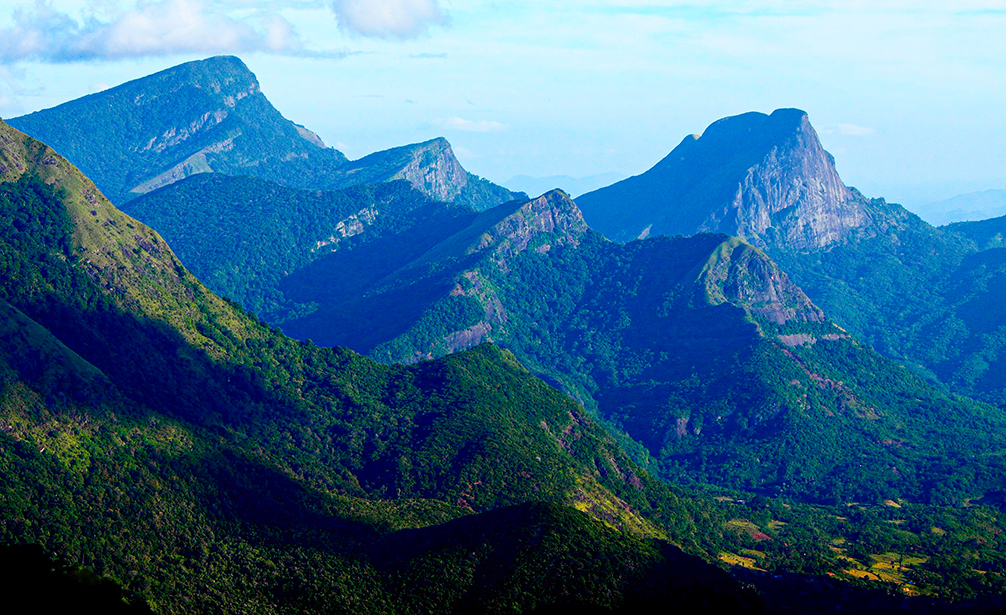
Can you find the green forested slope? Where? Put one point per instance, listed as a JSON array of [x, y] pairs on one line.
[[163, 437], [985, 233], [160, 436], [700, 349], [242, 236], [192, 118], [927, 296]]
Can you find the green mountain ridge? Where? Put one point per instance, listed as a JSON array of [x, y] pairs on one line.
[[700, 349], [211, 116], [987, 234], [160, 435], [167, 440]]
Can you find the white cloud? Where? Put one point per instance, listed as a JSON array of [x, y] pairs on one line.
[[149, 29], [457, 123], [388, 18]]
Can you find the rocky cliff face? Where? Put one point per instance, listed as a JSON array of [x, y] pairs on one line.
[[435, 170], [764, 178], [430, 166], [503, 232], [551, 219], [792, 197], [739, 274]]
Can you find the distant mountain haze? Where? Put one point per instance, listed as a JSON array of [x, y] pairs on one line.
[[969, 207], [211, 116]]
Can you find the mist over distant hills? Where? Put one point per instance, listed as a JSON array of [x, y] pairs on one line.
[[968, 207]]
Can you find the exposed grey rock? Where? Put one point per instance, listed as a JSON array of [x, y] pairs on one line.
[[764, 178], [740, 274]]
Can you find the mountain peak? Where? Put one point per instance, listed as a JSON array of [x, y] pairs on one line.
[[779, 123], [430, 166], [552, 219], [226, 76], [553, 214], [210, 116], [740, 274], [765, 178], [202, 116]]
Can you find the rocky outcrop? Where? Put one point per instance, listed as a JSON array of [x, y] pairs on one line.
[[764, 178], [792, 197], [435, 170], [742, 275], [509, 229], [551, 219], [431, 167]]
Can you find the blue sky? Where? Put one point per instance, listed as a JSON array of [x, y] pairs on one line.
[[908, 96]]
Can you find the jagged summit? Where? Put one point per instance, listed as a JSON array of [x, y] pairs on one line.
[[765, 178], [430, 166], [211, 116], [509, 229]]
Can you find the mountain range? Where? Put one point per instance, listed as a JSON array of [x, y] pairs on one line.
[[970, 207], [172, 441], [552, 411], [701, 352], [211, 116]]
